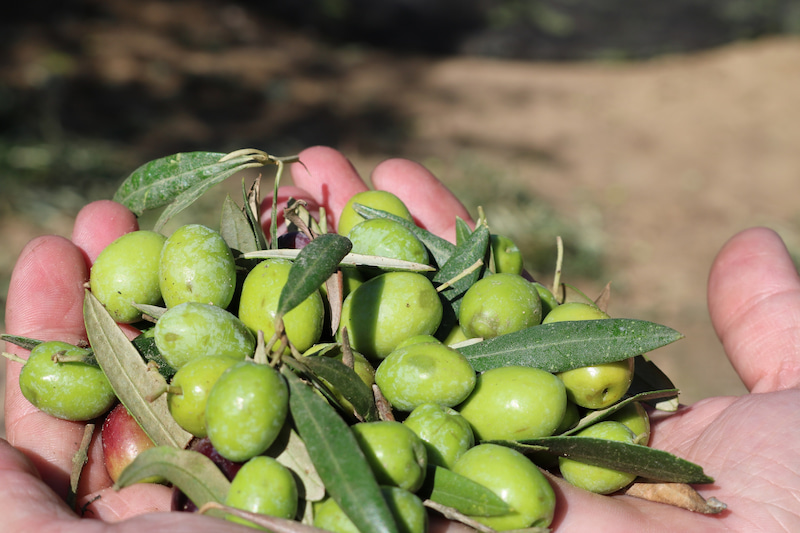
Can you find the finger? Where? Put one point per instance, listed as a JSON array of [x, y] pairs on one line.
[[44, 302], [431, 204], [98, 224], [754, 303], [25, 499], [328, 177]]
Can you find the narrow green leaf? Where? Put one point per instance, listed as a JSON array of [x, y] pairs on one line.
[[647, 376], [132, 380], [221, 171], [468, 497], [440, 249], [160, 181], [595, 416], [23, 342], [314, 264], [338, 459], [145, 343], [192, 472], [235, 228], [463, 231], [646, 462], [466, 254], [346, 382], [252, 210], [563, 346]]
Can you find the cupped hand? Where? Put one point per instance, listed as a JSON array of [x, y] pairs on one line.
[[745, 443]]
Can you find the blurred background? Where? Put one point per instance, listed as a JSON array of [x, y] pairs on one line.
[[645, 134]]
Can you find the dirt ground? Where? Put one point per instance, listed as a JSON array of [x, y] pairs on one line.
[[657, 163]]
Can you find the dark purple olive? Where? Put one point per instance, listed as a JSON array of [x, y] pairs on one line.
[[294, 240], [179, 500]]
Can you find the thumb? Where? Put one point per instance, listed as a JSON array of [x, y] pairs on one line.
[[754, 303]]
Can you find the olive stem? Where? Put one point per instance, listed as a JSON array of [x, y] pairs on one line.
[[467, 271], [15, 358], [79, 460], [559, 262]]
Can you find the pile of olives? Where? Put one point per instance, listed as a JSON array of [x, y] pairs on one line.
[[222, 346]]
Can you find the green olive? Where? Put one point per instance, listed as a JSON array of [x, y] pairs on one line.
[[246, 410], [67, 390], [263, 486], [197, 266], [427, 372], [499, 304], [258, 305], [126, 272], [192, 330], [593, 478], [383, 200], [388, 309]]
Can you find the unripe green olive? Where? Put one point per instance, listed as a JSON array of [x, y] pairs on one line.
[[424, 373], [396, 454], [126, 272], [386, 238], [596, 386], [499, 304], [446, 434], [197, 266], [383, 200], [67, 390], [515, 402], [417, 339], [192, 330], [258, 305], [263, 486], [514, 478], [195, 380], [506, 254], [635, 417], [598, 479], [389, 308], [246, 410], [406, 507]]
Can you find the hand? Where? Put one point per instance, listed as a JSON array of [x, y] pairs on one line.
[[746, 443]]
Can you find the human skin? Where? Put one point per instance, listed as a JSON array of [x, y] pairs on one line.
[[746, 443]]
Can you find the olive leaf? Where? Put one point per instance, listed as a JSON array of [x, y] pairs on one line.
[[130, 377], [645, 462], [346, 382], [466, 496], [440, 249], [192, 472], [647, 376], [145, 343], [236, 229], [338, 458], [460, 267], [313, 265], [290, 451], [23, 342], [463, 231], [595, 416], [158, 182], [561, 346]]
